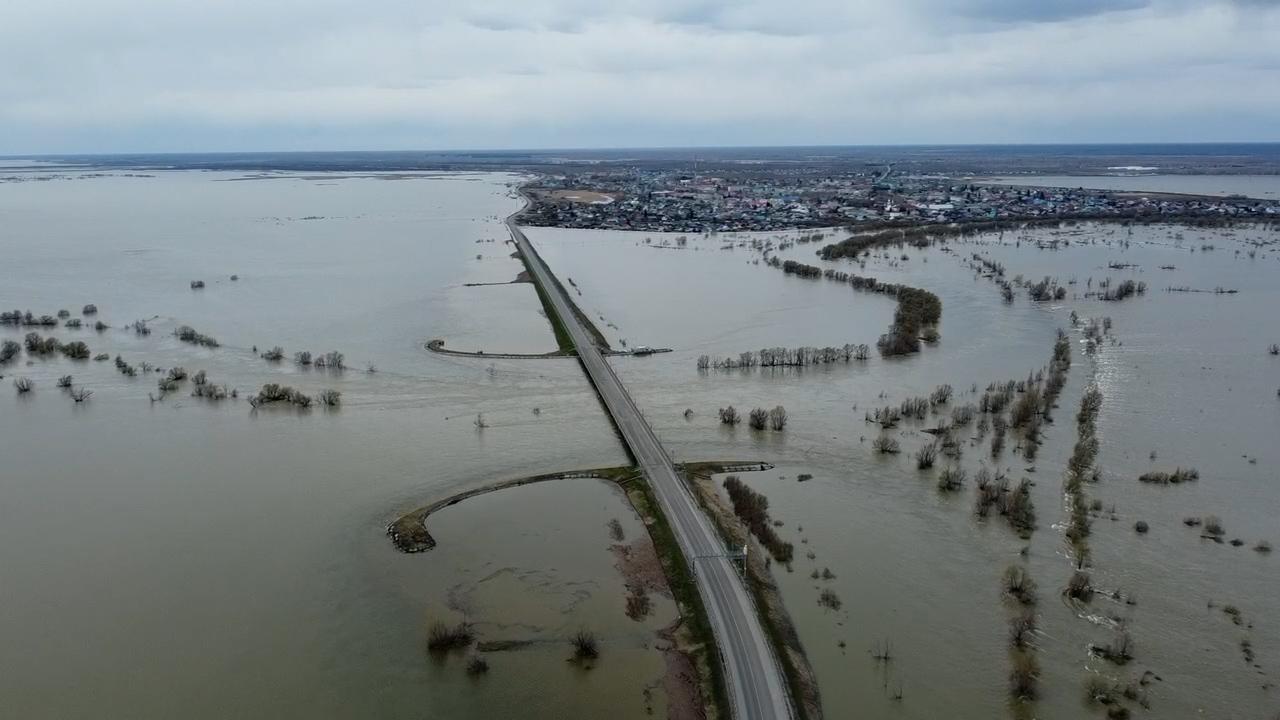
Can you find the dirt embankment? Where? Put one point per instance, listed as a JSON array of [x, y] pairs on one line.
[[409, 531], [437, 346]]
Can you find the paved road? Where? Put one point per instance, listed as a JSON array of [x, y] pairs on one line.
[[755, 683]]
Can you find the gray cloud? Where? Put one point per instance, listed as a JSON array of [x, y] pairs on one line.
[[137, 75], [1013, 11]]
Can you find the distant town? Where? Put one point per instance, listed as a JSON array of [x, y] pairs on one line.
[[777, 197]]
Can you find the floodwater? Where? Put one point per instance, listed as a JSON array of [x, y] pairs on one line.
[[186, 557], [198, 559], [1263, 187], [1188, 378]]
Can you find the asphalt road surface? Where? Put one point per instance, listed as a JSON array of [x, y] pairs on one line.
[[754, 679]]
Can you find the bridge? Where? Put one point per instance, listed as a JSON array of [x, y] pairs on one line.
[[753, 677]]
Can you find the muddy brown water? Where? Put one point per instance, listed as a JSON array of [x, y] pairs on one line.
[[196, 558], [1188, 378]]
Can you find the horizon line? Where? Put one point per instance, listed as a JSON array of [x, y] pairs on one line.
[[642, 148]]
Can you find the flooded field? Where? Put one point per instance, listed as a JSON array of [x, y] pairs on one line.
[[191, 556], [1187, 382]]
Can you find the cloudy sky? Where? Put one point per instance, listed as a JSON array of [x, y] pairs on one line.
[[192, 75]]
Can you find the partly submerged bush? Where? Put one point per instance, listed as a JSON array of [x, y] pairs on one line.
[[639, 605], [442, 638], [275, 393], [1023, 676], [1080, 586], [23, 385], [1019, 585], [885, 445], [1118, 651], [209, 391], [40, 346], [1177, 477], [1022, 627], [926, 455], [8, 349], [76, 350], [1213, 526], [585, 645], [916, 407], [941, 395], [951, 478], [188, 334], [332, 360]]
